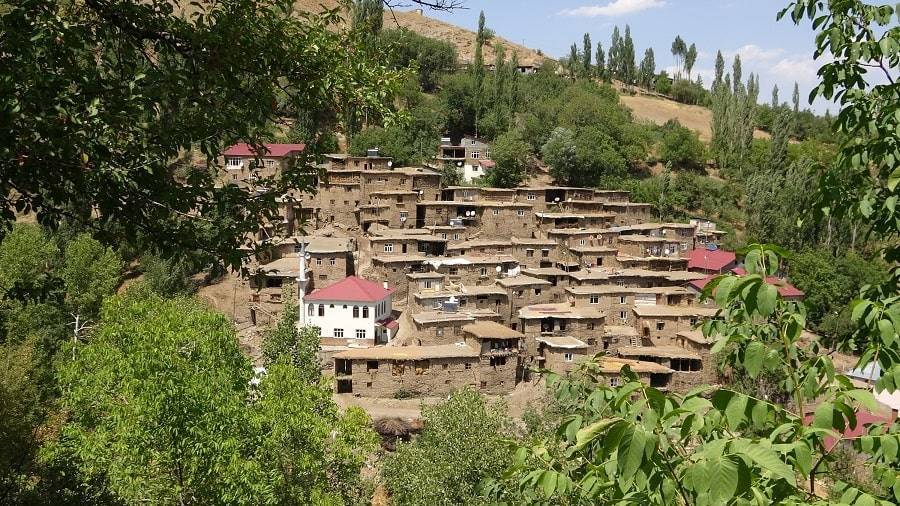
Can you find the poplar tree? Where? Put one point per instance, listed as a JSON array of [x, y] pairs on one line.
[[586, 56], [736, 73], [573, 62], [720, 70], [627, 57], [478, 69], [678, 52], [647, 69], [690, 58], [614, 56], [775, 97], [796, 98], [601, 61]]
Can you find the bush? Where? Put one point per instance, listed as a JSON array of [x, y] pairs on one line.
[[681, 146]]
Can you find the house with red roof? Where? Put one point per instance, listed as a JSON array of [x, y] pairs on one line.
[[243, 160], [711, 261], [785, 289], [353, 308]]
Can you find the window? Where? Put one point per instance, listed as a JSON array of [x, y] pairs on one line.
[[614, 381], [599, 261], [455, 237], [270, 163], [360, 333], [594, 299], [474, 142], [338, 332], [530, 196], [660, 325], [388, 247], [623, 315], [568, 357], [520, 212], [332, 261], [582, 241], [495, 361], [312, 309], [318, 261], [356, 311], [323, 276], [496, 212], [537, 291], [621, 299], [590, 326], [365, 311], [321, 309], [233, 162], [404, 215], [468, 365], [439, 331], [545, 253], [371, 365], [529, 253], [693, 322], [426, 283], [475, 155], [454, 271], [484, 271]]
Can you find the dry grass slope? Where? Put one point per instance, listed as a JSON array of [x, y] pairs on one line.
[[659, 110]]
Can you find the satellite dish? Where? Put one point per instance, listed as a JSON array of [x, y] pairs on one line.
[[307, 256], [556, 199], [390, 163], [459, 164], [499, 268], [421, 192]]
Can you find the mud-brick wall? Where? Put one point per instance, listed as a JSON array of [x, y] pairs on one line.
[[497, 379], [434, 377]]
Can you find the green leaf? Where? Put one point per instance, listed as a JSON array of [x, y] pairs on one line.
[[886, 329], [722, 473], [803, 457], [548, 483], [823, 417], [765, 299], [754, 356], [735, 410], [724, 289], [766, 458], [589, 433]]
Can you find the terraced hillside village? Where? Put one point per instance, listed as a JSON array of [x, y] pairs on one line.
[[346, 252]]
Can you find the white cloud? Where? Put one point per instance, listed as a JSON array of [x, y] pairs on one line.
[[614, 8], [754, 53]]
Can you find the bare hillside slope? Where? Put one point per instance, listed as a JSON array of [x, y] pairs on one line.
[[659, 110]]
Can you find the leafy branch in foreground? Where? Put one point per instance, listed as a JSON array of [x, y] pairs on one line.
[[713, 445]]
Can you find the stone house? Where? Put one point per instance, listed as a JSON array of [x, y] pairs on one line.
[[658, 325], [386, 371], [630, 213], [534, 252], [466, 155], [561, 354], [521, 291], [560, 319], [445, 326], [689, 368], [498, 346], [245, 163]]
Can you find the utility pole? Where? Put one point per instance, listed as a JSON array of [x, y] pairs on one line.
[[301, 283]]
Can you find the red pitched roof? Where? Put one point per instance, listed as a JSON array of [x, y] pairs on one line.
[[864, 418], [714, 260], [487, 164], [271, 150], [784, 288], [351, 289]]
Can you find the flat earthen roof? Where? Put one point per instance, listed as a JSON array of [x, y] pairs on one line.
[[651, 311], [522, 280], [487, 329], [657, 351], [559, 310], [408, 352], [565, 342], [614, 365]]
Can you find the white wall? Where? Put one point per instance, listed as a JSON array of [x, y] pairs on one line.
[[471, 172], [341, 316]]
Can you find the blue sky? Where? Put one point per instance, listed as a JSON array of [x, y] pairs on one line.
[[778, 51]]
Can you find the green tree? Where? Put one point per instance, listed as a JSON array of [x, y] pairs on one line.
[[663, 84], [719, 70], [600, 58], [598, 157], [461, 445], [796, 98], [628, 72], [690, 58], [168, 277], [478, 69], [614, 62], [560, 153], [586, 55], [90, 273], [430, 57], [136, 84], [679, 51], [159, 407], [647, 69], [681, 146], [368, 17], [775, 104], [297, 346], [510, 154], [26, 259]]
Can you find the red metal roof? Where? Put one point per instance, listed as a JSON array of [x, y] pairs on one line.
[[271, 150], [864, 418], [707, 260], [784, 288], [351, 289], [487, 164]]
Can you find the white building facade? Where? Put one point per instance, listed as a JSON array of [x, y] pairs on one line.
[[353, 308]]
